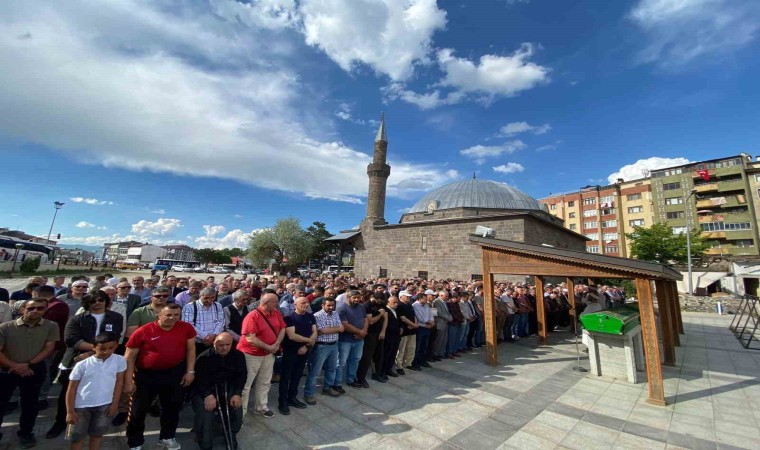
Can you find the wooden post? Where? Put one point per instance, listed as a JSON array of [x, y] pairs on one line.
[[674, 310], [649, 336], [571, 298], [667, 326], [540, 310], [679, 320], [492, 354]]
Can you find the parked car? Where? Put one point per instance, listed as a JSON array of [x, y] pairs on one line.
[[220, 269], [243, 271], [127, 266], [181, 268]]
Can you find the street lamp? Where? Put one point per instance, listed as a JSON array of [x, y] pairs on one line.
[[57, 205], [688, 239], [15, 257]]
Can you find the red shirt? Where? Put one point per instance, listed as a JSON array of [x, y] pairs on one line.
[[254, 323], [58, 312], [161, 349]]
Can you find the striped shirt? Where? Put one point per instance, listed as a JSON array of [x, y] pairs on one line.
[[325, 320], [205, 320]]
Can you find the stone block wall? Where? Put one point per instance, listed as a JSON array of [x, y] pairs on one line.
[[693, 303]]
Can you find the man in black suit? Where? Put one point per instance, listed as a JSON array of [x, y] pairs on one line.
[[392, 337]]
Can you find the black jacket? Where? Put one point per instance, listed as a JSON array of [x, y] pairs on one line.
[[394, 323], [81, 328], [211, 369]]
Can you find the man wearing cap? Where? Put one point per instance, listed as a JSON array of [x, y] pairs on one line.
[[74, 297], [425, 320], [407, 343]]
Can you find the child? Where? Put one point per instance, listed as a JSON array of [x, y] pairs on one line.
[[93, 393]]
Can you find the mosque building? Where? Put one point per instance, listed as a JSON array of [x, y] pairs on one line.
[[431, 240]]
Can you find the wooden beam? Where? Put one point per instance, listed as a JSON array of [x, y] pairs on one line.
[[571, 298], [674, 310], [540, 310], [679, 320], [492, 354], [667, 327], [649, 336]]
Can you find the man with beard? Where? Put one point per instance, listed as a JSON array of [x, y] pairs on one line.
[[372, 353], [408, 341]]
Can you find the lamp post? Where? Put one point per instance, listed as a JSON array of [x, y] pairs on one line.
[[688, 239], [57, 205], [15, 257]]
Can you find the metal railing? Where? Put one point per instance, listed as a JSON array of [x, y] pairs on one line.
[[746, 321]]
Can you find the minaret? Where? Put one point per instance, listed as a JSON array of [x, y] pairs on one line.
[[378, 171]]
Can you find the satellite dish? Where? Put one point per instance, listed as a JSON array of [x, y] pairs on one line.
[[484, 231]]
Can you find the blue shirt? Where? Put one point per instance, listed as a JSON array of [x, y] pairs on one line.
[[302, 324], [355, 316]]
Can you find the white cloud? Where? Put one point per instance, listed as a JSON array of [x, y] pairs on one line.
[[157, 211], [544, 148], [213, 230], [164, 89], [642, 167], [509, 168], [160, 227], [391, 36], [345, 112], [238, 216], [84, 224], [91, 201], [514, 128], [480, 152], [234, 238], [682, 31], [431, 100], [452, 173]]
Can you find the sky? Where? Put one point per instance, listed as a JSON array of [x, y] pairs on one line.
[[199, 122]]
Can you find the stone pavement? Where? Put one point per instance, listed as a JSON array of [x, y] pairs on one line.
[[533, 401]]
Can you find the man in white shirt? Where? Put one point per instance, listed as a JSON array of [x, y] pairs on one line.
[[207, 317]]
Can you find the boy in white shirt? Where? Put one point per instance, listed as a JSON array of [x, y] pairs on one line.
[[94, 390]]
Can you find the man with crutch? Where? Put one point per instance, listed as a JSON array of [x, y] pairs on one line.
[[220, 374]]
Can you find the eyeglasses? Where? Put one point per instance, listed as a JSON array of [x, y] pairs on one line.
[[161, 296], [99, 300], [36, 308], [125, 287]]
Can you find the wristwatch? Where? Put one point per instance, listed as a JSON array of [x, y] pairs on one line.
[[191, 372]]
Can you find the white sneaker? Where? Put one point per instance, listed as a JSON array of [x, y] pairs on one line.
[[139, 447], [169, 444]]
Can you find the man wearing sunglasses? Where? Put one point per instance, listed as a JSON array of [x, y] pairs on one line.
[[24, 345], [148, 313]]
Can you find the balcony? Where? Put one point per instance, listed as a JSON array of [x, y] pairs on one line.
[[714, 234], [740, 234], [742, 251], [695, 174], [725, 171], [726, 186], [709, 187], [716, 251]]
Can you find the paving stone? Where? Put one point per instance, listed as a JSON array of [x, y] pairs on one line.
[[510, 418], [469, 439], [646, 431], [524, 440]]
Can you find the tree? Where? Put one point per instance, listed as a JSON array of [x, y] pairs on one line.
[[286, 239], [658, 243], [211, 256], [29, 265], [318, 233]]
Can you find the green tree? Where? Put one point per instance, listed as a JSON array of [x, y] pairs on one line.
[[211, 256], [286, 239], [29, 265], [318, 233], [658, 243]]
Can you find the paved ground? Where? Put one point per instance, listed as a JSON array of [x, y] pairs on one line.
[[533, 401]]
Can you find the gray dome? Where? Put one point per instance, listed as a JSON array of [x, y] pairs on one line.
[[474, 193]]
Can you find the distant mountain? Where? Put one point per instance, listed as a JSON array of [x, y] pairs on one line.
[[89, 248]]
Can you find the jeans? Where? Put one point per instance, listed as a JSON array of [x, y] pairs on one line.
[[349, 354], [259, 370], [452, 342], [204, 420], [463, 335], [151, 383], [514, 321], [290, 377], [472, 333], [523, 326], [423, 334], [480, 333], [324, 356], [30, 391]]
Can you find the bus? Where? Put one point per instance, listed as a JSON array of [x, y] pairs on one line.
[[28, 250], [166, 264]]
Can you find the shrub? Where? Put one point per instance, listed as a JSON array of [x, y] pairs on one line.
[[29, 265]]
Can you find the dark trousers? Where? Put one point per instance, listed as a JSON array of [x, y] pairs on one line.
[[474, 327], [204, 420], [390, 349], [30, 391], [60, 412], [423, 337], [372, 352], [151, 383], [290, 375], [432, 334]]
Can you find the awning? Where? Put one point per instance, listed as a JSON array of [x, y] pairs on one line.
[[343, 236], [700, 280]]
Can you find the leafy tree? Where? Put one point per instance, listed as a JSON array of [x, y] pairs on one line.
[[318, 233], [286, 239], [211, 256], [658, 243], [29, 265]]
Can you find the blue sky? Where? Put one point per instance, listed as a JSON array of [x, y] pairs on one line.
[[200, 122]]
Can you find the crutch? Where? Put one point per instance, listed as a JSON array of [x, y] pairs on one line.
[[221, 415], [231, 440]]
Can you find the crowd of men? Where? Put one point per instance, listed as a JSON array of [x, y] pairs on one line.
[[210, 343]]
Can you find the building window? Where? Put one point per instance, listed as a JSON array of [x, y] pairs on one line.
[[744, 243], [593, 236], [675, 215], [608, 211], [573, 226], [610, 236], [670, 172], [636, 222], [590, 225], [592, 248], [589, 201], [635, 209], [589, 213], [673, 201], [680, 230], [608, 199], [553, 206], [611, 249], [609, 223], [476, 277], [757, 177], [422, 274], [671, 186], [423, 245], [633, 197], [383, 273], [571, 203], [571, 215], [722, 226]]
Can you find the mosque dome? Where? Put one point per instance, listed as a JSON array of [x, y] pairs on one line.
[[475, 193]]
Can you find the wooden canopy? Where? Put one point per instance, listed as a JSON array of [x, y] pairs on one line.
[[502, 257]]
